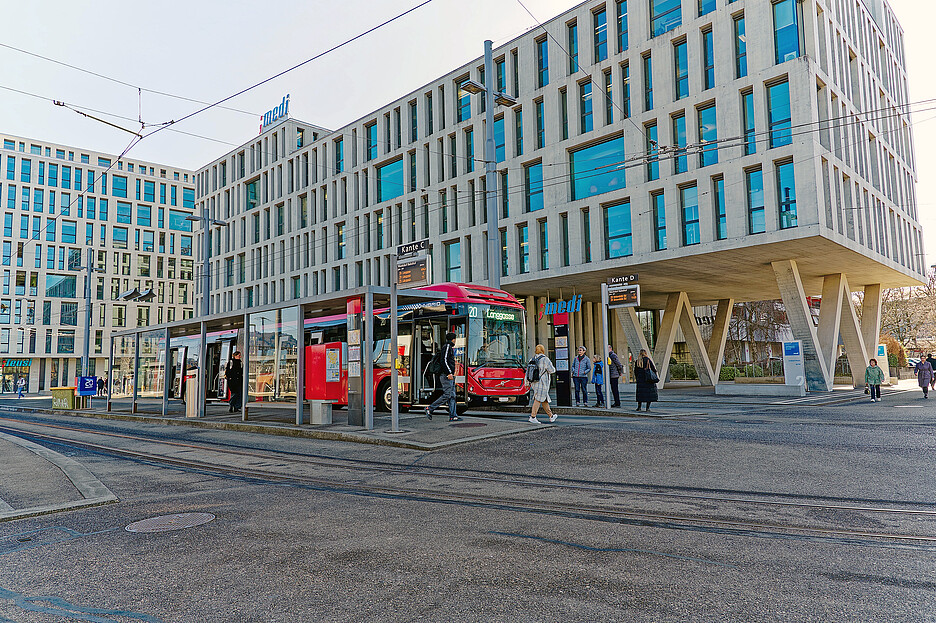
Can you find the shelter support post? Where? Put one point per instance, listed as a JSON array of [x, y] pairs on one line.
[[300, 369]]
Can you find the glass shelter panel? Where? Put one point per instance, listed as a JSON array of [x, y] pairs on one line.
[[272, 351], [151, 372]]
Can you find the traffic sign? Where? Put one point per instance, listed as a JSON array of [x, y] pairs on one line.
[[623, 296], [413, 272], [622, 280]]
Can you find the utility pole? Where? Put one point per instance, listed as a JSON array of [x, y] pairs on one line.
[[86, 353], [490, 173]]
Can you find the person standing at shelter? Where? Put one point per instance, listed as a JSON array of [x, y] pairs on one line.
[[581, 366], [615, 368], [874, 377], [20, 387], [598, 380], [646, 386], [446, 379], [925, 372], [100, 386], [545, 369], [235, 381]]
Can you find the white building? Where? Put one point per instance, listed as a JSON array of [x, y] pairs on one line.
[[58, 202], [723, 150]]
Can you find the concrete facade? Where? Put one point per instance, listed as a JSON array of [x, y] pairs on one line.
[[823, 178], [60, 201]]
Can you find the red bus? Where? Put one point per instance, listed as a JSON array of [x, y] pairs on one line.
[[490, 349]]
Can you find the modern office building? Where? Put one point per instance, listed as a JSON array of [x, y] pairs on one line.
[[724, 151], [58, 203]]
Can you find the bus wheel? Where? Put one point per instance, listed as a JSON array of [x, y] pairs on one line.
[[384, 398]]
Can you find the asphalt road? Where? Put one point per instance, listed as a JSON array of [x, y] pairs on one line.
[[732, 480]]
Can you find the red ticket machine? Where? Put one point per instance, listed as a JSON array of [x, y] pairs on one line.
[[326, 372]]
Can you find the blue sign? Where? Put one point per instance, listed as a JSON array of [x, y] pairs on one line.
[[561, 307], [87, 385], [277, 112], [882, 351], [791, 349]]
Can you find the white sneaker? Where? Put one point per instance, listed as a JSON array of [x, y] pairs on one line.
[[533, 420], [552, 418], [872, 400]]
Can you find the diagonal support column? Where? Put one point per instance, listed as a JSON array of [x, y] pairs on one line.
[[667, 335], [830, 318], [716, 345], [694, 342], [871, 322], [630, 324], [818, 375], [855, 348]]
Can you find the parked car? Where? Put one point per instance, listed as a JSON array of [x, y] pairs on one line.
[[912, 362]]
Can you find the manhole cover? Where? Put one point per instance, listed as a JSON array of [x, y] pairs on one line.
[[468, 425], [166, 523]]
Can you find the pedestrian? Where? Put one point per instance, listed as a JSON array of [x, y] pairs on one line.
[[106, 387], [925, 372], [615, 368], [545, 369], [598, 380], [235, 381], [581, 366], [446, 379], [874, 377], [932, 361], [100, 386], [20, 387], [644, 374]]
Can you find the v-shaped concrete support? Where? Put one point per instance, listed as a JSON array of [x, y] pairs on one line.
[[818, 374], [716, 345], [679, 312]]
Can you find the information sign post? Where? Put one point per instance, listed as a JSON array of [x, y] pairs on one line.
[[618, 292], [410, 268]]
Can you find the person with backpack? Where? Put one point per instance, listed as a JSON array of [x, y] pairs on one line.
[[598, 380], [615, 368], [539, 372], [443, 365], [645, 375]]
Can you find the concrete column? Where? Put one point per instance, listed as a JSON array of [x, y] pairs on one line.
[[542, 327], [871, 322], [589, 337], [579, 329], [818, 376], [697, 349], [716, 346], [855, 348], [830, 319], [667, 336]]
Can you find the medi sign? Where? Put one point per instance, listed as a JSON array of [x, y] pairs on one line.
[[278, 112], [574, 304]]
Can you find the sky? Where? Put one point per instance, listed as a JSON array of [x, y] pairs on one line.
[[209, 49]]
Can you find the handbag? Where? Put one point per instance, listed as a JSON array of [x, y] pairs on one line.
[[650, 374]]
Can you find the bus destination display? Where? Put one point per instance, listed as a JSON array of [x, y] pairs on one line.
[[412, 273], [623, 296]]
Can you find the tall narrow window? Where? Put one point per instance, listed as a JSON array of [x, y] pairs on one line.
[[665, 15], [689, 209], [572, 32], [653, 161], [600, 19], [371, 132], [718, 200], [533, 180], [622, 25], [786, 195], [708, 59], [706, 6], [648, 82], [523, 248], [429, 129], [740, 47], [681, 69], [778, 114], [617, 230], [469, 150], [680, 161], [585, 107], [463, 101], [414, 123], [608, 98], [658, 205], [543, 245], [564, 231], [586, 236], [540, 124], [339, 156], [786, 30], [747, 119], [518, 131], [542, 62], [564, 112], [708, 135], [754, 180], [625, 82], [500, 140], [453, 261]]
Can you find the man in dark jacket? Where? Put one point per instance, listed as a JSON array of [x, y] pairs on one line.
[[235, 381], [615, 367], [446, 379]]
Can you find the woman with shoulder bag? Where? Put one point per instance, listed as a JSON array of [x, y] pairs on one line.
[[541, 385], [646, 376]]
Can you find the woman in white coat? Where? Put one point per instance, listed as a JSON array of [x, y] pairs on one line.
[[541, 386]]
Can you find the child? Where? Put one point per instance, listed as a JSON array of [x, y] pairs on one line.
[[874, 376], [598, 380]]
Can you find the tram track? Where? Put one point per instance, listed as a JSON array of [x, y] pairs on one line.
[[760, 513]]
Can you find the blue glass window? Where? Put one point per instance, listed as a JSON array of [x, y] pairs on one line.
[[747, 117], [37, 199], [681, 68], [69, 232], [500, 145], [648, 82], [653, 162], [658, 204], [617, 231], [706, 6], [622, 24], [41, 176], [585, 107], [786, 30], [625, 98], [708, 135], [708, 60], [689, 208], [572, 33], [339, 156], [463, 102], [177, 221], [91, 207], [120, 237], [453, 261], [754, 180], [523, 246], [102, 212], [78, 178], [740, 47], [66, 177], [681, 161], [36, 229], [119, 186], [172, 195], [188, 198], [162, 193], [778, 114], [533, 179], [542, 62], [371, 151], [24, 226], [53, 174], [600, 19], [25, 170], [124, 213], [786, 195], [540, 124], [8, 225], [390, 180], [61, 286], [144, 215], [598, 169], [665, 15]]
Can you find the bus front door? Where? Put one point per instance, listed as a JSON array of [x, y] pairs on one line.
[[428, 337]]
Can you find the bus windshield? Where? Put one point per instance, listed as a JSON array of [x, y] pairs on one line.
[[495, 335]]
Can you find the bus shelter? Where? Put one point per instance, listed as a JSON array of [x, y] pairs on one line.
[[178, 367]]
